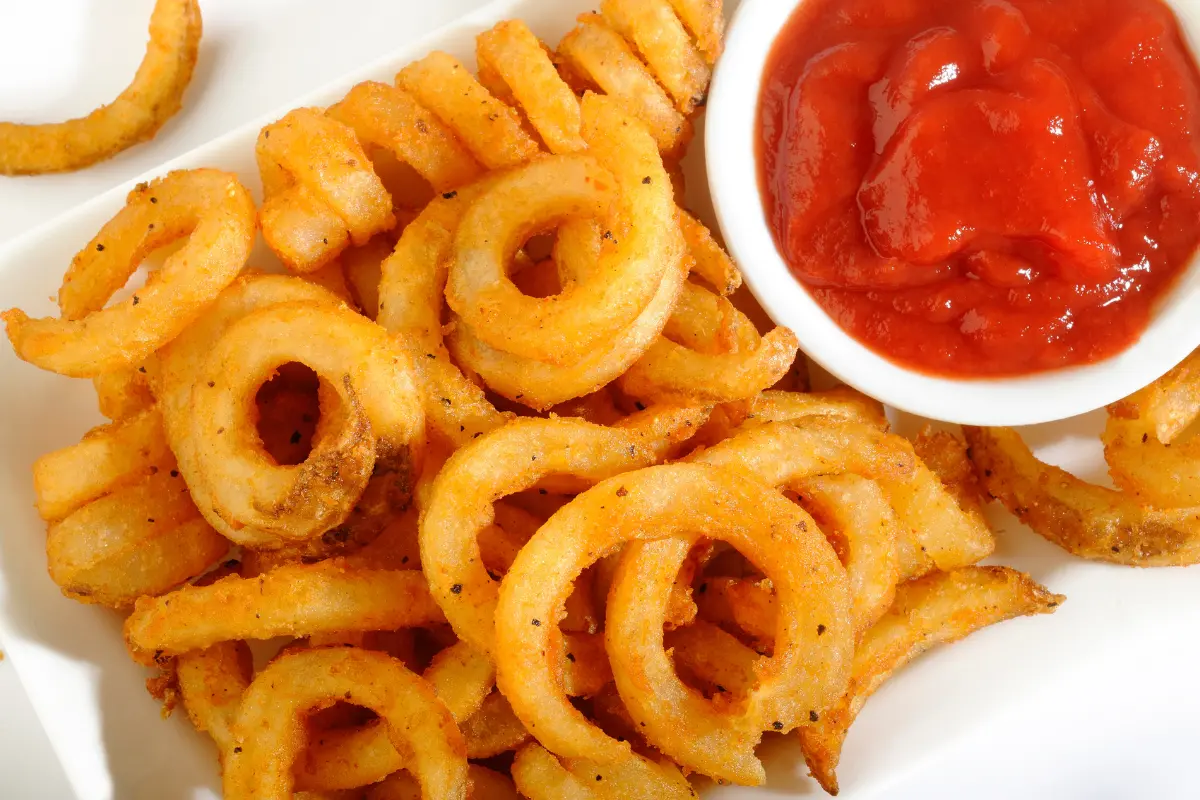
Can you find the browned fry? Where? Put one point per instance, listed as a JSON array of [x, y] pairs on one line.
[[941, 607], [494, 729], [947, 458], [540, 776], [411, 296], [712, 263], [776, 406], [1170, 404], [610, 713], [1086, 520], [708, 324], [941, 532], [598, 407], [713, 657], [499, 545], [486, 784], [320, 191], [288, 409], [511, 459], [581, 613], [743, 367], [585, 669], [351, 757], [781, 453], [394, 548], [339, 429], [741, 604], [855, 515], [346, 758], [208, 210], [269, 737], [681, 606], [655, 514]]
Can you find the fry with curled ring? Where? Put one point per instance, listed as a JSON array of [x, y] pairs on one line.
[[134, 116], [509, 460], [268, 733], [621, 183], [667, 508], [174, 371], [208, 207], [370, 432], [623, 268], [451, 126], [384, 423]]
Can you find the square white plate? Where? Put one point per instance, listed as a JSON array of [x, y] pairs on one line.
[[1099, 700]]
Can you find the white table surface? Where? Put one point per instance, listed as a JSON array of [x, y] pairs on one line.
[[61, 58]]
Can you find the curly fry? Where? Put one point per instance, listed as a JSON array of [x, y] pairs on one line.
[[135, 116]]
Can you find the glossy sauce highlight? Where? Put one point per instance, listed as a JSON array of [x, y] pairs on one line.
[[989, 187]]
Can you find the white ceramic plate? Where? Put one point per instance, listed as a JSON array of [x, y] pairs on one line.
[[1097, 701], [1021, 400]]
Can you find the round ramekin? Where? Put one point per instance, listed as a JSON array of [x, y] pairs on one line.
[[731, 156]]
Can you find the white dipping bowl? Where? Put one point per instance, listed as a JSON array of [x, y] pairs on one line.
[[731, 140]]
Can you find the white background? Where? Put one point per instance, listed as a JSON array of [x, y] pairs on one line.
[[61, 58], [1097, 703]]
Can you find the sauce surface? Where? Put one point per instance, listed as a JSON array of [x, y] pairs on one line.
[[983, 187]]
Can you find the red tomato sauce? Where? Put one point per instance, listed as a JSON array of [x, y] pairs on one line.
[[983, 187]]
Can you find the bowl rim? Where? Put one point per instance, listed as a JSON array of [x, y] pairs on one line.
[[731, 158]]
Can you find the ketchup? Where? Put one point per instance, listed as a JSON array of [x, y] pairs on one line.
[[983, 187]]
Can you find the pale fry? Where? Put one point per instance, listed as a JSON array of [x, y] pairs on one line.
[[494, 729], [714, 657], [1149, 453], [107, 458], [122, 393], [139, 541]]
